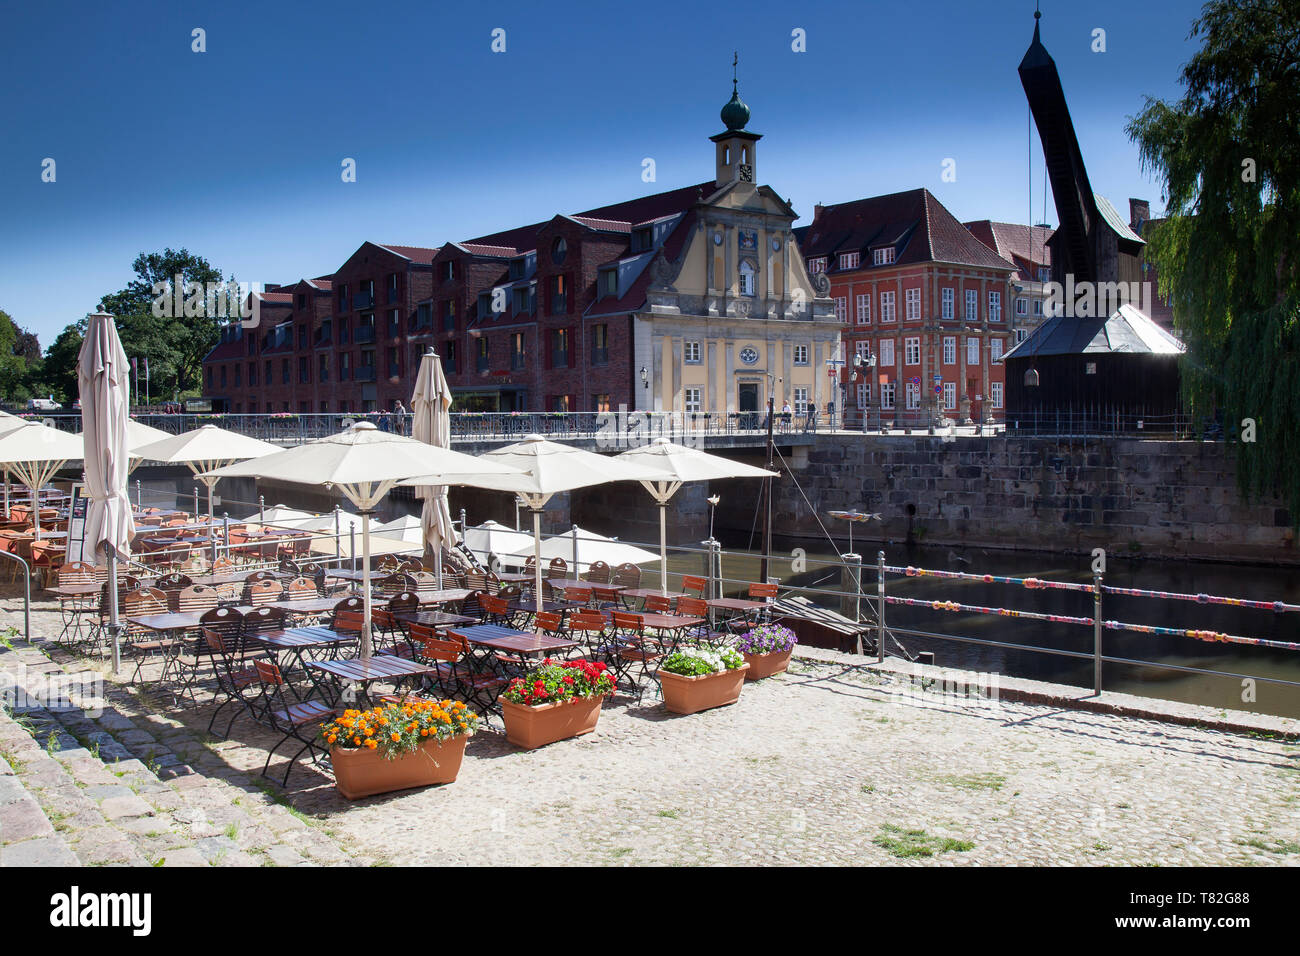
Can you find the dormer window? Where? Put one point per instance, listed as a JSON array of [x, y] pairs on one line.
[[608, 283], [817, 265], [747, 275], [517, 268], [448, 271], [642, 239], [882, 256], [849, 260]]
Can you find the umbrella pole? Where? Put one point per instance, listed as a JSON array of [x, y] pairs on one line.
[[365, 585], [537, 557], [113, 630], [437, 561], [663, 546]]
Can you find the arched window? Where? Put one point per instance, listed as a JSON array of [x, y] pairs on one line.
[[744, 154], [747, 272]]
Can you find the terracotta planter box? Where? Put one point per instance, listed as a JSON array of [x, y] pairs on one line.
[[689, 695], [363, 773], [765, 665], [532, 727]]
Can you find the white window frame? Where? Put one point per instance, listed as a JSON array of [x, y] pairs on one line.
[[995, 306], [972, 305], [887, 310], [972, 351], [950, 350], [912, 303], [912, 350], [913, 396], [887, 353], [850, 260], [1020, 334], [800, 354], [995, 349], [801, 401], [883, 257], [864, 308], [1022, 305], [949, 396], [1038, 308], [863, 395], [995, 393], [692, 353], [746, 271], [946, 297], [863, 348], [842, 308], [888, 392], [816, 265], [691, 399]]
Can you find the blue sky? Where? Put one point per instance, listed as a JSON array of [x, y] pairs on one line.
[[235, 153]]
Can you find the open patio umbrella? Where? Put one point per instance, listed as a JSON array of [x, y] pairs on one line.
[[682, 464], [364, 463], [103, 382], [205, 449], [549, 467], [407, 528], [137, 434], [34, 452], [491, 538], [583, 547], [431, 422], [8, 423]]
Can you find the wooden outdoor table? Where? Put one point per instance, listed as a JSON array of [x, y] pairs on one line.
[[76, 590], [433, 618], [567, 583], [305, 605], [353, 670], [347, 574], [515, 577], [668, 622], [507, 639], [643, 593], [296, 642], [529, 606], [169, 621], [445, 596], [736, 604]]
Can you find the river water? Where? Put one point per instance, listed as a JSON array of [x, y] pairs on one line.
[[1256, 583]]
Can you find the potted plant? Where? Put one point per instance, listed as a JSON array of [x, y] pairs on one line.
[[695, 678], [398, 745], [766, 649], [555, 700]]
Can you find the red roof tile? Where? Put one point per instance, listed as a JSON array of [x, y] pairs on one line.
[[414, 253], [1024, 246]]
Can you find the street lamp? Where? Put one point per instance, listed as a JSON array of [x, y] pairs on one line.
[[645, 377]]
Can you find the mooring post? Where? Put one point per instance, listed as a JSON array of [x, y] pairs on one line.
[[851, 584], [1096, 633], [880, 607]]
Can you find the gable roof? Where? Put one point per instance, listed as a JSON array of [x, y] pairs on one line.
[[1128, 329], [1024, 246], [415, 253], [635, 295], [914, 222]]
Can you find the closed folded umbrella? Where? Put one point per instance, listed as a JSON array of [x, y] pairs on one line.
[[103, 380], [431, 422]]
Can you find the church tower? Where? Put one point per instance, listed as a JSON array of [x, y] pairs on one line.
[[736, 148]]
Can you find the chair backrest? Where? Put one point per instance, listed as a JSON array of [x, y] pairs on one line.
[[692, 607], [425, 580], [300, 589], [268, 673], [624, 621], [176, 522], [195, 562], [605, 595], [287, 565], [264, 592], [762, 592], [260, 576], [389, 563], [628, 575], [222, 565], [509, 592], [433, 648], [586, 621], [196, 597], [599, 573], [350, 605], [493, 605], [228, 620], [411, 566], [576, 595], [558, 568], [145, 601], [658, 603], [220, 642], [476, 581], [693, 584], [81, 572], [175, 581], [263, 619], [548, 621], [403, 601], [349, 621]]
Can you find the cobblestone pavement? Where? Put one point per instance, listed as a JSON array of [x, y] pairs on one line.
[[830, 763]]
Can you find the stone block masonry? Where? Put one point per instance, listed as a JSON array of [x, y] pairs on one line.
[[1173, 499]]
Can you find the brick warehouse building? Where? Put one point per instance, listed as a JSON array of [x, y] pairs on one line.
[[695, 299], [914, 288]]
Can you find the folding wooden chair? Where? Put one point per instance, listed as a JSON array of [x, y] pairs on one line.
[[294, 721]]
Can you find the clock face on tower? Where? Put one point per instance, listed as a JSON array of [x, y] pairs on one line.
[[746, 173]]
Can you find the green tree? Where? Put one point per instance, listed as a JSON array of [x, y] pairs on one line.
[[174, 345], [1228, 155], [57, 374], [19, 352]]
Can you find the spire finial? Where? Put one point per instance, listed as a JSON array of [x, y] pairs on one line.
[[735, 58]]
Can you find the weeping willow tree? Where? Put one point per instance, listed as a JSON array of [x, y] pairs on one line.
[[1228, 155]]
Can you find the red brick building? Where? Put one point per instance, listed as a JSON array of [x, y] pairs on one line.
[[916, 290]]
